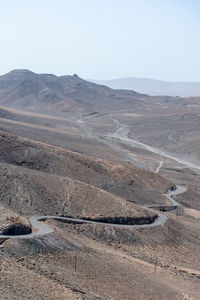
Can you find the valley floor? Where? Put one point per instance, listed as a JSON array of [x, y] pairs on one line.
[[50, 166]]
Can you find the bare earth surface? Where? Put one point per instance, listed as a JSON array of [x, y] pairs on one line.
[[71, 154]]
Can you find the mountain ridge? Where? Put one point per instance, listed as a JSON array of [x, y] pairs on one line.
[[48, 92]]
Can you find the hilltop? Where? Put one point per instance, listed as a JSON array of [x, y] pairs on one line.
[[64, 94]]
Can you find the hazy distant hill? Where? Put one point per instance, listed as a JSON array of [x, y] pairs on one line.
[[154, 87]]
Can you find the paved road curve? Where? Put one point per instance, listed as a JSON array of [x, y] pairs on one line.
[[42, 229]]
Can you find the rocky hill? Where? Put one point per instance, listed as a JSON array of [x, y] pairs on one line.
[[49, 93], [129, 182]]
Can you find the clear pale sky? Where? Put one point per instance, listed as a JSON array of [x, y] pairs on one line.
[[102, 39]]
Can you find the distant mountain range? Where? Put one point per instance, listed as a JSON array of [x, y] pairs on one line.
[[154, 87]]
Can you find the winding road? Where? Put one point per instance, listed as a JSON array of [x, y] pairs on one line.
[[41, 229]]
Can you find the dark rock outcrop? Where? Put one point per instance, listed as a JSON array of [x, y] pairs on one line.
[[125, 220], [17, 229]]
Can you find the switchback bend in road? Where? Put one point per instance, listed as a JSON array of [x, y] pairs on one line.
[[41, 229]]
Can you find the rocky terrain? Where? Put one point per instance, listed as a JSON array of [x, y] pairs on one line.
[[67, 149], [64, 94], [10, 217]]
